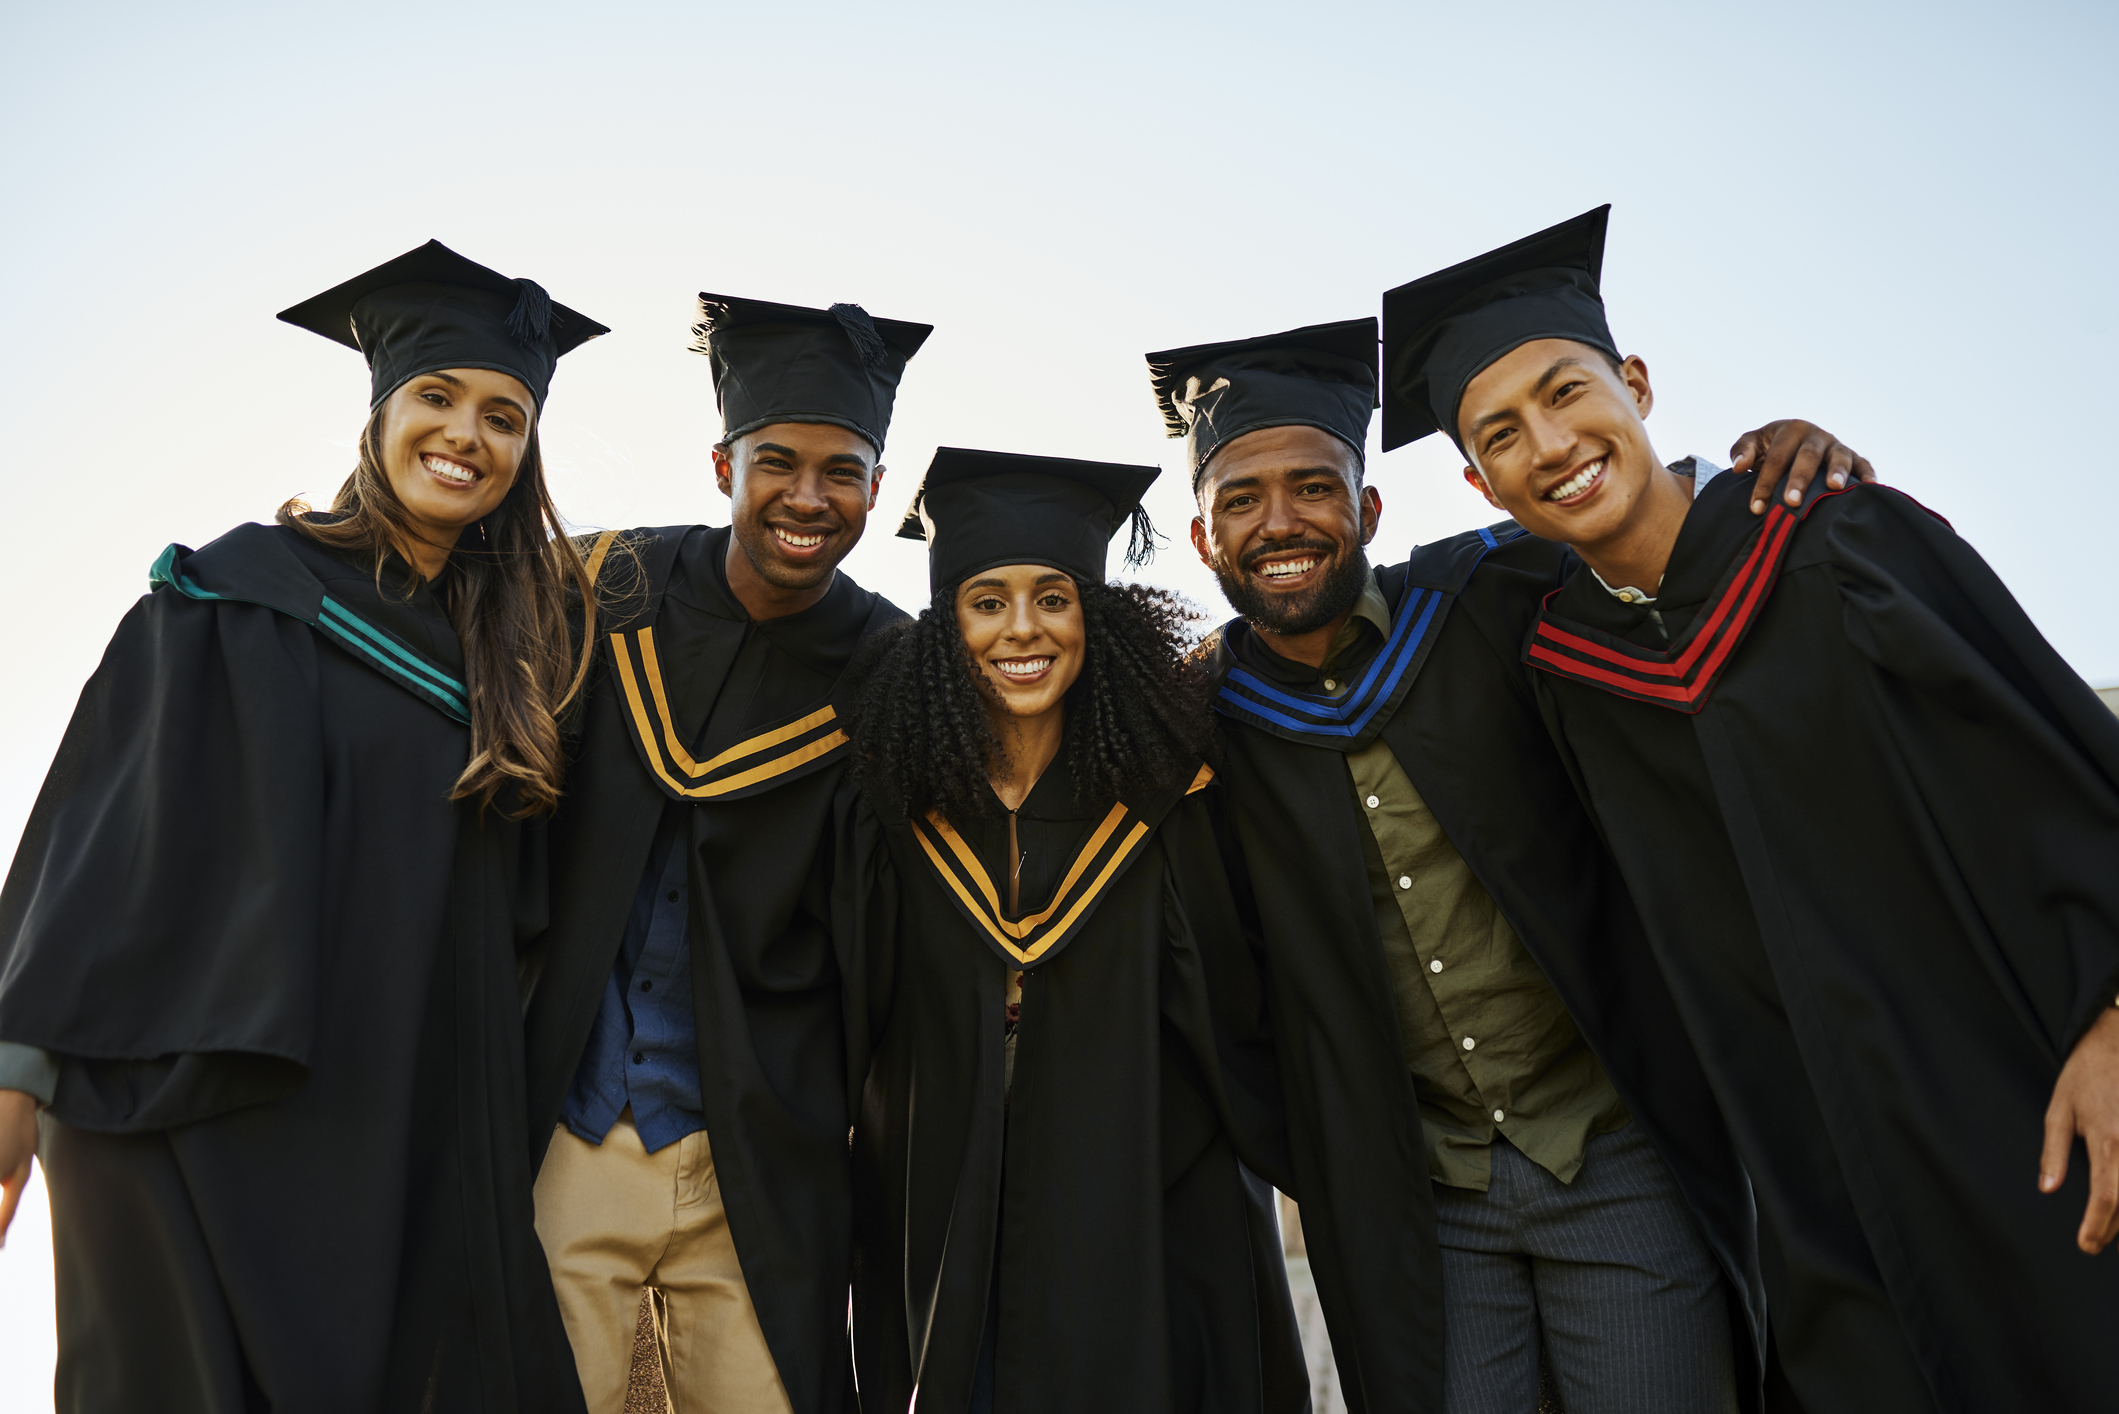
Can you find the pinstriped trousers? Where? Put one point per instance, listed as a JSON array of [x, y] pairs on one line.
[[1606, 1275]]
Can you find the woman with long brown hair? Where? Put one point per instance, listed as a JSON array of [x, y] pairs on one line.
[[261, 933]]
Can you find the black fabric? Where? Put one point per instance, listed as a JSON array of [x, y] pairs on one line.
[[1442, 330], [1876, 867], [431, 309], [260, 938], [784, 363], [766, 985], [1320, 376], [1468, 736], [1138, 1269], [979, 510]]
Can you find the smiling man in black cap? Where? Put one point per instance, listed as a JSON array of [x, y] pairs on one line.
[[1497, 1123], [686, 1058], [1896, 1031]]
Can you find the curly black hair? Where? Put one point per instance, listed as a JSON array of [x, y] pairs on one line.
[[1137, 717]]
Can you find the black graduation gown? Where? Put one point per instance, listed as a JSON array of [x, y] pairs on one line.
[[278, 967], [1448, 693], [1096, 1208], [1883, 1017], [692, 701]]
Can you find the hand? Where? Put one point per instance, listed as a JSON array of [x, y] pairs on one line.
[[2086, 1102], [18, 1145], [1798, 448]]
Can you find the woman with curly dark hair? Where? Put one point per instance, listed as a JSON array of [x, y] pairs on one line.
[[261, 935], [1044, 957]]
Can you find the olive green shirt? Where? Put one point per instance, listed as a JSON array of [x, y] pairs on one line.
[[1490, 1046]]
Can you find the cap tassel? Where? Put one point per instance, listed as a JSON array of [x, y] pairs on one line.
[[862, 330], [530, 321], [1140, 538]]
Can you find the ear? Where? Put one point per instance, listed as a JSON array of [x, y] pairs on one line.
[[875, 484], [724, 470], [1636, 374], [1202, 546], [1478, 483], [1371, 512]]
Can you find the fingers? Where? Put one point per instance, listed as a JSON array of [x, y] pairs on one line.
[[1745, 449], [2100, 1217], [2059, 1136], [1863, 471], [11, 1197], [1805, 457]]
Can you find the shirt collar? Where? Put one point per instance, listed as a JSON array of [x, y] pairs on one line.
[[1371, 609]]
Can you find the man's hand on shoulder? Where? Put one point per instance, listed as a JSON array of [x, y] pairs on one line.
[[1800, 450]]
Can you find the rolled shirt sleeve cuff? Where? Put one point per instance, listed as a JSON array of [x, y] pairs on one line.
[[28, 1069]]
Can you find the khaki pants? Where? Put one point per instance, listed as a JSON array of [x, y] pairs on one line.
[[615, 1218]]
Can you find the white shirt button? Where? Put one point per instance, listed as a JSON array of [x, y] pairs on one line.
[[1435, 966], [1330, 686], [1373, 802], [1469, 1043], [1499, 1116], [1405, 881]]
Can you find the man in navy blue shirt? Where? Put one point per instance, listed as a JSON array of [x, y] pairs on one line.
[[688, 1079]]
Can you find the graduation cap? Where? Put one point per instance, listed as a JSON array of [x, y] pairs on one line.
[[783, 363], [1320, 376], [1445, 329], [431, 309], [977, 510]]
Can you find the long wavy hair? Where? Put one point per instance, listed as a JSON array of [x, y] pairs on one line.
[[1137, 721], [506, 591]]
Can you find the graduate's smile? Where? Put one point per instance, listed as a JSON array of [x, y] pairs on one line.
[[449, 471], [1290, 569], [803, 544], [1025, 670], [1580, 484]]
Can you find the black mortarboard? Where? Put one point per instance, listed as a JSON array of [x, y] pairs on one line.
[[783, 363], [1443, 330], [977, 510], [431, 309], [1322, 376]]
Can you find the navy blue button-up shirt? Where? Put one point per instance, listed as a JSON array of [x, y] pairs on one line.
[[643, 1050]]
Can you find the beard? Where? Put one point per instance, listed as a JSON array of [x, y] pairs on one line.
[[1346, 575]]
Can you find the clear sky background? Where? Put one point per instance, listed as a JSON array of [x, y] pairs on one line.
[[1895, 220]]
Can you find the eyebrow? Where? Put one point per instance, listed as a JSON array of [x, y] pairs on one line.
[[835, 459], [995, 582], [1569, 361], [1246, 482], [453, 381]]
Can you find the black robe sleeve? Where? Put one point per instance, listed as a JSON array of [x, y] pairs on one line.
[[160, 915], [2013, 756]]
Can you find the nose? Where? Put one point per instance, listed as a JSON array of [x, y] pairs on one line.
[[1022, 621], [805, 496], [1282, 519], [1552, 443], [464, 430]]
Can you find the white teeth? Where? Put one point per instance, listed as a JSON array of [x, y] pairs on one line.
[[1022, 667], [1578, 483], [800, 542], [448, 470], [1287, 568]]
